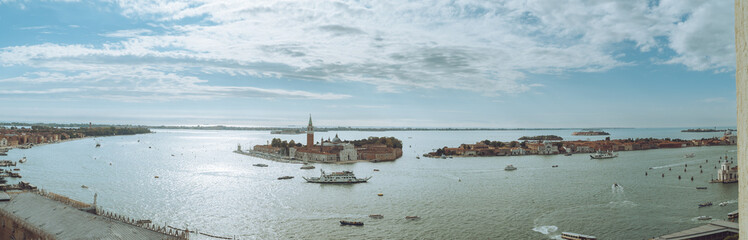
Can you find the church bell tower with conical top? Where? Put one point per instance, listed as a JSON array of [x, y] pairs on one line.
[[310, 133]]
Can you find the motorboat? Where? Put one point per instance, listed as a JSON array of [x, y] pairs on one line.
[[510, 167], [336, 177], [306, 166], [690, 155], [352, 223], [412, 217], [23, 160], [260, 165], [701, 188], [285, 177], [380, 194], [706, 204], [376, 170], [722, 204], [377, 216], [732, 215], [703, 218], [554, 166]]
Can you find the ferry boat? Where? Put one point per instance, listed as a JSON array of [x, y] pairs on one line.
[[603, 155], [576, 236], [336, 177], [342, 222], [510, 167], [260, 165], [706, 204]]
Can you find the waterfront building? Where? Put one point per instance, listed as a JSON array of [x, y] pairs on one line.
[[3, 142], [727, 174], [729, 138]]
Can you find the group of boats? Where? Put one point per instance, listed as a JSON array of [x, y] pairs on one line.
[[375, 216]]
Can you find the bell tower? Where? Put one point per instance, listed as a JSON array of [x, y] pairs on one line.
[[310, 133]]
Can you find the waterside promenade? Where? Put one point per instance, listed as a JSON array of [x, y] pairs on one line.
[[35, 214]]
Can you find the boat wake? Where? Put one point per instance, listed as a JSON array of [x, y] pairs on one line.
[[622, 204], [676, 164], [549, 231], [616, 188]]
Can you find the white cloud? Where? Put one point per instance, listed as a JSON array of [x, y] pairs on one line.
[[134, 84], [486, 47], [130, 33]]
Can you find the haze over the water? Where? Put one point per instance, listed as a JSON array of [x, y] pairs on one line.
[[507, 64]]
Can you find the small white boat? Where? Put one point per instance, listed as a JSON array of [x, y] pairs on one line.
[[690, 155], [510, 167], [23, 160], [722, 204], [703, 218]]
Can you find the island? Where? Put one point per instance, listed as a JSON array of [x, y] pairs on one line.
[[548, 147], [699, 130], [590, 133], [372, 149], [542, 137]]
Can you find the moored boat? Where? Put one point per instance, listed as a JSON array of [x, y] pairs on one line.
[[732, 215], [352, 223], [306, 166], [510, 167], [336, 177], [576, 236]]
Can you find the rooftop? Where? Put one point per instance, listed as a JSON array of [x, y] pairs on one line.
[[63, 221], [715, 227]]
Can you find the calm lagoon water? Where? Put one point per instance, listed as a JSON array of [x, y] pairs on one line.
[[203, 185]]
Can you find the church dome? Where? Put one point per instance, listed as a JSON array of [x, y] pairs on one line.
[[336, 139]]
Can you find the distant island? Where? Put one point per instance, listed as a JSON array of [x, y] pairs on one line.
[[373, 149], [706, 130], [514, 148], [590, 133], [542, 138]]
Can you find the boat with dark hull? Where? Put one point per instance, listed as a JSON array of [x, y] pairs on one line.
[[351, 223]]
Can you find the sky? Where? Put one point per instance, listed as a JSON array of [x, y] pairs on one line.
[[495, 64]]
